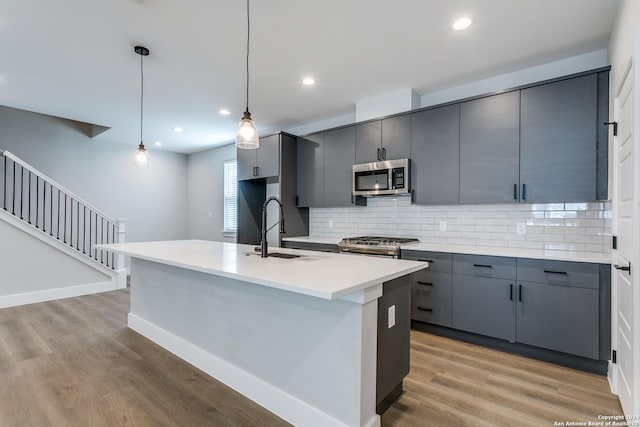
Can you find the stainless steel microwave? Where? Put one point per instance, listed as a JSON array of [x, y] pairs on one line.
[[389, 177]]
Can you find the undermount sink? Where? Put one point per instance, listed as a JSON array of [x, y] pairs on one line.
[[275, 255]]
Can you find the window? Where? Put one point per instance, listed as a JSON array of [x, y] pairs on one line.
[[230, 196]]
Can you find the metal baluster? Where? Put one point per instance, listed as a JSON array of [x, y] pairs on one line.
[[64, 216], [4, 205], [84, 230], [21, 192], [58, 217], [13, 209], [50, 210], [29, 195], [37, 201], [78, 225], [101, 239], [96, 239]]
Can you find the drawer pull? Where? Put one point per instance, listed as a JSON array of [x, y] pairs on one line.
[[483, 265], [425, 283], [520, 293], [511, 292], [428, 310], [425, 260], [555, 272]]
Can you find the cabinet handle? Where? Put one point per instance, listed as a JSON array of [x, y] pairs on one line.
[[511, 292], [515, 191], [379, 155], [254, 171], [257, 170], [384, 153], [413, 196], [524, 192], [425, 283], [425, 260], [483, 265], [555, 272], [428, 310], [520, 293]]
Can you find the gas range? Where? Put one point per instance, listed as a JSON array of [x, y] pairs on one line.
[[373, 245]]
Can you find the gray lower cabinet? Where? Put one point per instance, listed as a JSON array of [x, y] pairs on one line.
[[484, 305], [339, 157], [435, 155], [489, 149], [431, 297], [310, 162], [558, 141], [263, 162], [557, 317]]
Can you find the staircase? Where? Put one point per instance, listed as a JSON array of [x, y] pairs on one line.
[[43, 209]]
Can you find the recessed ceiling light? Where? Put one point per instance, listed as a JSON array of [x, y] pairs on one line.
[[177, 129], [308, 81], [158, 144], [461, 24], [224, 112]]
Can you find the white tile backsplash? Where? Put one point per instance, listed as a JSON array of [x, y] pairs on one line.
[[581, 227]]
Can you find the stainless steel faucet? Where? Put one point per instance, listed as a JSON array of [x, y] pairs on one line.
[[263, 243]]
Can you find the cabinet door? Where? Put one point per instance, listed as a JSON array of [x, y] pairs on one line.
[[435, 155], [558, 141], [484, 305], [561, 318], [396, 137], [368, 142], [339, 157], [268, 156], [489, 148], [310, 170], [246, 163]]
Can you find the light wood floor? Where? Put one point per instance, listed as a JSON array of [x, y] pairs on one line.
[[74, 362]]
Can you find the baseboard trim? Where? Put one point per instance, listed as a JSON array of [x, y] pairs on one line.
[[57, 293], [282, 404]]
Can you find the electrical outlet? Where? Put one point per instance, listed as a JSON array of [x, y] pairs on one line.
[[330, 223], [392, 316], [521, 228], [209, 214], [443, 225]]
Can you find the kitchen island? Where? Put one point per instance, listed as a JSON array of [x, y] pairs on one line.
[[297, 336]]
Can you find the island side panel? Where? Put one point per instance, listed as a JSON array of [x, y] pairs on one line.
[[309, 360]]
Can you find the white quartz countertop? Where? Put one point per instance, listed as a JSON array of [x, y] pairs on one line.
[[592, 257], [322, 275]]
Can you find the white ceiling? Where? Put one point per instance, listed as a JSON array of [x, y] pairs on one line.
[[75, 58]]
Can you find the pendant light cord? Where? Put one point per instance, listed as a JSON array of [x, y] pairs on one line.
[[248, 36], [141, 96]]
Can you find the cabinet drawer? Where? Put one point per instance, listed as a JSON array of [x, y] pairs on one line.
[[438, 261], [485, 266], [431, 310], [430, 284], [581, 274]]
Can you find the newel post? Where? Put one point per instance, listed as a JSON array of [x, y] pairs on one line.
[[120, 238]]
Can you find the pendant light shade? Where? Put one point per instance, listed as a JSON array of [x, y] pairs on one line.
[[247, 134], [141, 157]]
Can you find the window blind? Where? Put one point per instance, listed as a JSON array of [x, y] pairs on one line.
[[230, 196]]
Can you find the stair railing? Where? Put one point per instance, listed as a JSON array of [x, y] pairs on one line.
[[36, 199]]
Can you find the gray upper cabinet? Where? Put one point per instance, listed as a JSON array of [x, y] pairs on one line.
[[339, 157], [262, 162], [386, 139], [435, 155], [368, 142], [558, 141], [396, 137], [310, 159], [489, 149]]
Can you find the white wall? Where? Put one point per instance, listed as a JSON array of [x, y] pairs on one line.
[[206, 193], [153, 200]]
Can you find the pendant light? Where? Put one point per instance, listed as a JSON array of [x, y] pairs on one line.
[[247, 135], [141, 158]]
